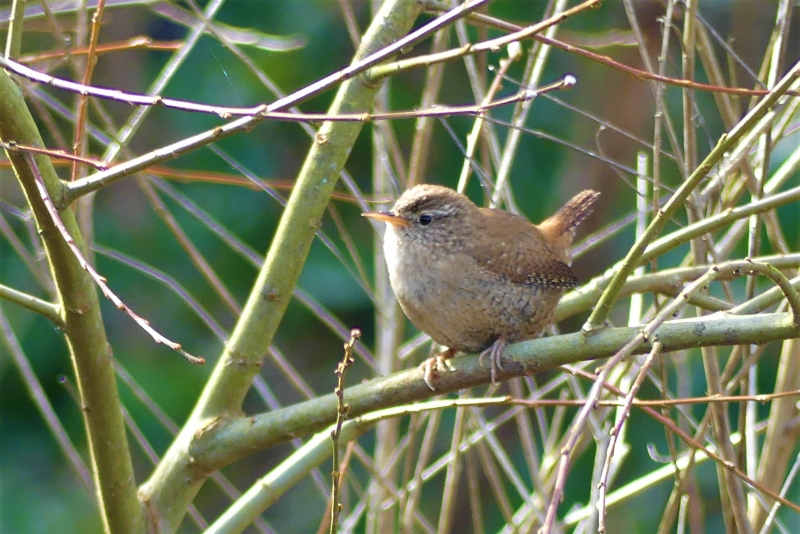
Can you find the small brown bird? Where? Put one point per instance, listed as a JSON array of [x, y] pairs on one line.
[[473, 278]]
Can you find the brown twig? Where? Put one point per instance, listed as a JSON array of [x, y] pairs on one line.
[[520, 33], [605, 60], [98, 180], [305, 93], [13, 146], [263, 110], [658, 403], [79, 146], [133, 43], [342, 412]]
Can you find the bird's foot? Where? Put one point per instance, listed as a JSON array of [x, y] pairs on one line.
[[430, 367], [495, 354]]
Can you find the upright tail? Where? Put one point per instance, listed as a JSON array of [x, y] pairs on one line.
[[560, 227]]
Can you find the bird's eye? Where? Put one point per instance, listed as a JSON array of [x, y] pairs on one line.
[[425, 220]]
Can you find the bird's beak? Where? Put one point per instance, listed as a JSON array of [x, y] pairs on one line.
[[387, 216]]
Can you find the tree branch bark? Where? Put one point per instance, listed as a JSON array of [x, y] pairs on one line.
[[83, 327]]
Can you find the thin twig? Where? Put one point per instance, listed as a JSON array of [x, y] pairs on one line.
[[99, 280], [13, 146], [746, 129], [389, 69], [644, 335], [622, 416], [98, 180], [639, 74], [226, 112], [342, 410], [80, 146]]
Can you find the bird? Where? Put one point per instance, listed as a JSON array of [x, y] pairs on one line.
[[473, 278]]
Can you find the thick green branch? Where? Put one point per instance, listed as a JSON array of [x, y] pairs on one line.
[[238, 438], [176, 480], [366, 57], [82, 324]]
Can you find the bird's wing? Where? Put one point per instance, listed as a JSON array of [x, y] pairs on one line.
[[514, 249]]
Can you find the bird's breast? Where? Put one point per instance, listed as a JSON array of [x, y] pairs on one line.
[[410, 269]]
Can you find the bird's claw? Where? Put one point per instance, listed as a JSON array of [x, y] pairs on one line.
[[430, 367], [495, 354]]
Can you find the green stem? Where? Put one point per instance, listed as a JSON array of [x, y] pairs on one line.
[[235, 439], [598, 317], [82, 324], [48, 310], [177, 479], [14, 37]]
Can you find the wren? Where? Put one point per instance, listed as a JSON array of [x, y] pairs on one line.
[[473, 278]]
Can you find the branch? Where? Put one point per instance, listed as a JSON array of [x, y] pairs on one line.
[[389, 69], [46, 309], [746, 129], [364, 62], [99, 280], [436, 6], [107, 176], [671, 282], [342, 413], [379, 53], [175, 481], [83, 325], [265, 491], [236, 438]]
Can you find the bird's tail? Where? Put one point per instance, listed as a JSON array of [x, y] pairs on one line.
[[560, 227]]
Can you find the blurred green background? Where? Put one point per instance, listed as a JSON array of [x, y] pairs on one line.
[[38, 490]]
